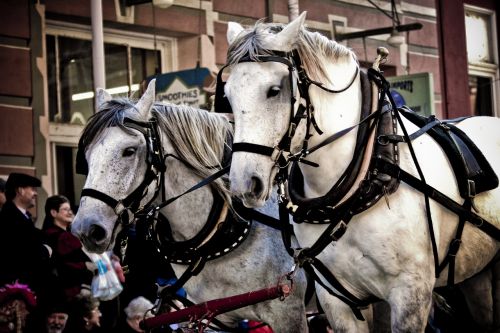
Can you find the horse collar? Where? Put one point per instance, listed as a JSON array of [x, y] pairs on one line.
[[335, 207], [222, 233]]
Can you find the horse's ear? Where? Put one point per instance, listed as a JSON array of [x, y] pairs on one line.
[[146, 102], [101, 97], [233, 30], [286, 38]]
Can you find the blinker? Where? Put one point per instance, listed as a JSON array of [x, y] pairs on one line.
[[221, 103], [82, 167]]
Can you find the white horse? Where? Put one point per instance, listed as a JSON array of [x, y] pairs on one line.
[[121, 154], [386, 251]]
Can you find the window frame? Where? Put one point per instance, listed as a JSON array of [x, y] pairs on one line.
[[483, 69], [65, 134]]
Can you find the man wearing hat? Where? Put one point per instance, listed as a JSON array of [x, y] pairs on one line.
[[23, 255]]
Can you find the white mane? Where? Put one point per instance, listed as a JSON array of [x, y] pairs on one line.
[[313, 48]]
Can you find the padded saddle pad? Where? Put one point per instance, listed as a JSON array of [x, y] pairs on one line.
[[472, 170]]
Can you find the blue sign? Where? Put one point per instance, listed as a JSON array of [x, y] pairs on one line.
[[415, 91], [182, 87]]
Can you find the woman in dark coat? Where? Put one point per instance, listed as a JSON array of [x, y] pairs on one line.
[[72, 266]]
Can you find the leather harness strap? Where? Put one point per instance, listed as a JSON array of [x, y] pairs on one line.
[[354, 205], [441, 198]]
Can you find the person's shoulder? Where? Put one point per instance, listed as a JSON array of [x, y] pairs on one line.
[[9, 209], [67, 236], [53, 231], [10, 216]]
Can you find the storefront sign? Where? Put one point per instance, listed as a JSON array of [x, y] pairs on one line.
[[182, 87], [415, 91]]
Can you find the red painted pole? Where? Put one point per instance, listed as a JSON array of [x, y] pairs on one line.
[[215, 307]]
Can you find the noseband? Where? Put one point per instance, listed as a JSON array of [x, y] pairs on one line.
[[127, 207]]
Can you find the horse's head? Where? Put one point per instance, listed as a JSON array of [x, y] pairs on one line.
[[121, 176], [283, 82], [260, 97]]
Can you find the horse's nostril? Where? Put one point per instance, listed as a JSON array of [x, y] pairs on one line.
[[257, 186], [97, 233]]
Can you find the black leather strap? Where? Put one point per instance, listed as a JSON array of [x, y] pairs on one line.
[[343, 132], [90, 192], [253, 148], [202, 183], [344, 295], [252, 214], [400, 138], [441, 198]]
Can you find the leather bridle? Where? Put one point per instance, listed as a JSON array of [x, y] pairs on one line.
[[281, 153], [126, 208]]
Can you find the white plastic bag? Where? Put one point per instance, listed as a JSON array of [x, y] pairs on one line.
[[105, 284]]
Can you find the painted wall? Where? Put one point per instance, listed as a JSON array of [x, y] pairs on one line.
[[23, 91]]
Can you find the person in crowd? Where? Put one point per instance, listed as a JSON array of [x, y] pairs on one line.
[[138, 309], [84, 314], [16, 302], [57, 317], [23, 252], [2, 193], [72, 266]]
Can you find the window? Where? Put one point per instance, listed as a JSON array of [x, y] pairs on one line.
[[70, 77], [67, 181], [482, 58], [129, 59]]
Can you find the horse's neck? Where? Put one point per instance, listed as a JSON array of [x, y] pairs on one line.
[[333, 112], [188, 214]]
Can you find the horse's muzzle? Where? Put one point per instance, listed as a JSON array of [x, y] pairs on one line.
[[92, 234]]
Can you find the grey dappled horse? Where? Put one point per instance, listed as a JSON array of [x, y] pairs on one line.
[[120, 156]]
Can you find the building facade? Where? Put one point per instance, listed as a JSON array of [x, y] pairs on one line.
[[46, 91]]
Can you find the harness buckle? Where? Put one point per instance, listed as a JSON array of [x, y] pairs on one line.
[[471, 188], [281, 192], [279, 155], [119, 208], [277, 152], [299, 258], [291, 130], [338, 231]]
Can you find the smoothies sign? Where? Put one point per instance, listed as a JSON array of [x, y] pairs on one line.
[[182, 87]]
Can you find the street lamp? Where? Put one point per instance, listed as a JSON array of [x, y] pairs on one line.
[[394, 31]]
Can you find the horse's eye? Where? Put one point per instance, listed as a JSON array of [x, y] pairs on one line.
[[274, 91], [128, 152]]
